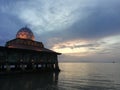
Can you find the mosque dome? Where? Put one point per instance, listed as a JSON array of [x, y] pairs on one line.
[[25, 33]]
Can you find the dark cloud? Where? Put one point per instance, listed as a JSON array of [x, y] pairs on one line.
[[9, 25], [102, 21], [80, 46]]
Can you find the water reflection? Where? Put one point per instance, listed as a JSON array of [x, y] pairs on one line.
[[75, 76], [46, 81], [89, 76]]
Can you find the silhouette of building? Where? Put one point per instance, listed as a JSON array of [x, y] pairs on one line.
[[24, 53]]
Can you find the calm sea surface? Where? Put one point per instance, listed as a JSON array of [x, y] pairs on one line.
[[73, 76]]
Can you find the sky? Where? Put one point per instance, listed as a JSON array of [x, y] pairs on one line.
[[82, 30]]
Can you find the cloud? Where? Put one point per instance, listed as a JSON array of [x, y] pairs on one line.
[[102, 21], [95, 20], [45, 15], [78, 46], [69, 19], [106, 49]]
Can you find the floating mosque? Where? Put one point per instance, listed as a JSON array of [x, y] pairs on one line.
[[25, 54]]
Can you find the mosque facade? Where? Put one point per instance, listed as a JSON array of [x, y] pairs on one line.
[[24, 53]]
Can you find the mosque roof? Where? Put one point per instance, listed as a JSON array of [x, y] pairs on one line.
[[25, 33]]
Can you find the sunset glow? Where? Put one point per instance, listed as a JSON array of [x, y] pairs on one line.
[[84, 48]]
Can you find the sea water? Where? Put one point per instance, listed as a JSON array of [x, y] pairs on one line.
[[73, 76]]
